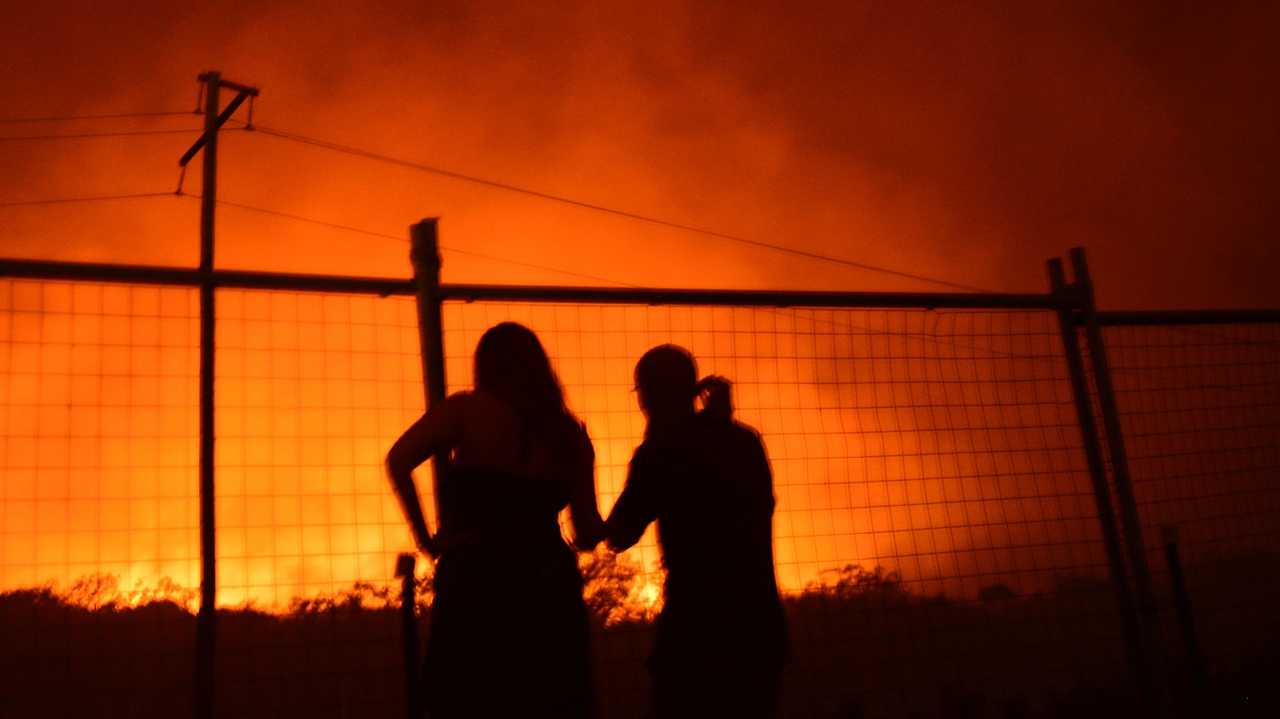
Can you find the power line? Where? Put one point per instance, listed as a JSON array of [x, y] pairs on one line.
[[90, 198], [926, 337], [368, 154], [300, 218], [371, 155], [400, 239], [531, 265], [105, 116], [309, 220]]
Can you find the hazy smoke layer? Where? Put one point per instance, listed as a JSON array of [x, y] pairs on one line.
[[968, 143]]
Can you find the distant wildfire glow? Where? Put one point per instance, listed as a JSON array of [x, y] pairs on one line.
[[939, 446]]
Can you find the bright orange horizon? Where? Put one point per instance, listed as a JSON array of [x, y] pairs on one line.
[[940, 445], [868, 441]]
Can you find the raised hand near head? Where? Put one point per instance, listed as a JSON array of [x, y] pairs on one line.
[[716, 395]]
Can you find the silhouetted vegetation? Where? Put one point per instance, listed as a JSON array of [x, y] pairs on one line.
[[863, 645]]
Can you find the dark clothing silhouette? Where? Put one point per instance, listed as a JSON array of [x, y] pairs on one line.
[[508, 627], [721, 636], [508, 631]]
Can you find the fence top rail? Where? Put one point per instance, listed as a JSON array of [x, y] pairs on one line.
[[1120, 318], [192, 277], [387, 286], [749, 298]]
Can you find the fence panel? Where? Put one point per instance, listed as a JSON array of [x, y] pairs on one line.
[[1200, 408], [935, 535], [935, 531], [311, 391], [99, 540]]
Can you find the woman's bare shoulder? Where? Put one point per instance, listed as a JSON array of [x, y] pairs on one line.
[[452, 406], [480, 408], [460, 398]]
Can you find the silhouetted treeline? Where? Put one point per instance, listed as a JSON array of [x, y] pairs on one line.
[[863, 646]]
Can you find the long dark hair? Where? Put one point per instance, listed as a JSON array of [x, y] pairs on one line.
[[511, 364]]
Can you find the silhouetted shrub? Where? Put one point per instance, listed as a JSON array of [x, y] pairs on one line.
[[996, 593], [862, 645], [611, 584]]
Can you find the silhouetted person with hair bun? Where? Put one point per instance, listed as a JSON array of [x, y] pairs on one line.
[[721, 637], [508, 633]]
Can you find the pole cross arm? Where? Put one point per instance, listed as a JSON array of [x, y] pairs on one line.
[[205, 76], [217, 125]]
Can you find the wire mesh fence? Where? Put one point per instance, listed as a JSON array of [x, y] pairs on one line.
[[311, 390], [936, 533], [100, 558], [1200, 409]]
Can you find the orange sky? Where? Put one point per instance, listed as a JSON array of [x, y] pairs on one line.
[[967, 144]]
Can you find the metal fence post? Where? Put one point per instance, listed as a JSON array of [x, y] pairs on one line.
[[1097, 473], [1130, 522], [405, 565], [424, 254]]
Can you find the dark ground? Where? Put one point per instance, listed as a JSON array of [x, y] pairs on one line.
[[862, 647]]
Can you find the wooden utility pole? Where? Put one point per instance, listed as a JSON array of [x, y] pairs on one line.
[[206, 619]]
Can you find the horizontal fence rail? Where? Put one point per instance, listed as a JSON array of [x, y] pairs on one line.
[[748, 298], [191, 277], [142, 274], [1123, 318]]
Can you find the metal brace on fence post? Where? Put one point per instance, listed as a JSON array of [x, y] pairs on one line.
[[1186, 617], [405, 565], [1098, 474], [1129, 519]]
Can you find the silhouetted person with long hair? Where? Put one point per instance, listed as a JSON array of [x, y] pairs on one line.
[[705, 479], [508, 630]]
